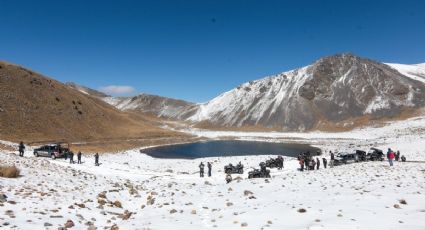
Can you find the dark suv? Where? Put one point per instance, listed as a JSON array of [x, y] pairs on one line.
[[52, 150], [346, 158]]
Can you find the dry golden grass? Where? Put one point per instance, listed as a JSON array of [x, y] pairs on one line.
[[9, 171], [37, 109]]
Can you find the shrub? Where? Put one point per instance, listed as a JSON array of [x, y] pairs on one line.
[[9, 171]]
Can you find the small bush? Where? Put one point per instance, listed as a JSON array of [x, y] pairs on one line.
[[9, 171]]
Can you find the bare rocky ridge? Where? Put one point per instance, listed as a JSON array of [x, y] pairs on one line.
[[86, 90], [155, 105]]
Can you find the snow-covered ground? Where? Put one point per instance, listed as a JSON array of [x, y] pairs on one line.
[[168, 193]]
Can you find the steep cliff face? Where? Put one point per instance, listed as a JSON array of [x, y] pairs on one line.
[[333, 89]]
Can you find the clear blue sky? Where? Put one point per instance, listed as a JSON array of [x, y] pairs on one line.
[[195, 50]]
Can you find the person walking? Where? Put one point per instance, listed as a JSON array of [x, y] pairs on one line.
[[96, 159], [390, 156], [21, 149], [201, 169], [325, 162], [79, 157], [209, 168], [317, 163]]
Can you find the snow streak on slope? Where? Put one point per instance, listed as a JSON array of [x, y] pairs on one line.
[[416, 72]]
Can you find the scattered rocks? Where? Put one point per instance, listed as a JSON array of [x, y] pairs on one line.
[[248, 193], [302, 210], [397, 206], [69, 224], [193, 212], [402, 201], [126, 215], [117, 204], [244, 224], [173, 211]]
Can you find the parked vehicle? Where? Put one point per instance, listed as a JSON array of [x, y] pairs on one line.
[[275, 162], [259, 173], [230, 169], [375, 154], [346, 158], [361, 155], [51, 150]]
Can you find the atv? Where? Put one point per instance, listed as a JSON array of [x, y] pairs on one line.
[[275, 163], [231, 169], [259, 173]]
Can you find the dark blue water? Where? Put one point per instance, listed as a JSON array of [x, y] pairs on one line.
[[227, 148]]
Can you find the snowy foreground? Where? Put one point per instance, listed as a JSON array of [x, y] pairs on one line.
[[135, 191]]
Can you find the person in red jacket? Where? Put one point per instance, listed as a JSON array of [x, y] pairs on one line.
[[390, 156]]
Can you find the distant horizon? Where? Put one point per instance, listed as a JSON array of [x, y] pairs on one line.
[[195, 50]]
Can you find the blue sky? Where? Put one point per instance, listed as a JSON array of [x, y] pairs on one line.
[[195, 50]]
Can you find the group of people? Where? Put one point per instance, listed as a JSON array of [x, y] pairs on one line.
[[307, 162], [391, 156], [201, 169], [69, 154]]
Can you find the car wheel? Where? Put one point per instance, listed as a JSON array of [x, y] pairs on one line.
[[228, 171], [53, 156], [36, 154]]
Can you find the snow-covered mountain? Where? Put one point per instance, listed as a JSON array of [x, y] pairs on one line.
[[342, 90], [416, 72], [336, 92]]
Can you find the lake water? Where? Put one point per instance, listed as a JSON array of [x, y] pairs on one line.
[[227, 148]]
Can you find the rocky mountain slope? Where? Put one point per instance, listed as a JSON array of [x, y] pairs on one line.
[[155, 105], [86, 90], [341, 91], [36, 108]]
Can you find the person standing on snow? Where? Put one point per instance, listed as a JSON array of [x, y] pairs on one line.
[[71, 157], [332, 159], [79, 157], [96, 159], [21, 149], [201, 169], [397, 156], [325, 162], [317, 163], [390, 156], [301, 164], [209, 168]]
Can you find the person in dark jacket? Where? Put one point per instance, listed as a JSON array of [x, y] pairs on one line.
[[71, 157], [21, 149], [79, 157], [332, 159], [209, 168], [325, 162], [317, 163], [96, 159], [201, 169], [397, 155]]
